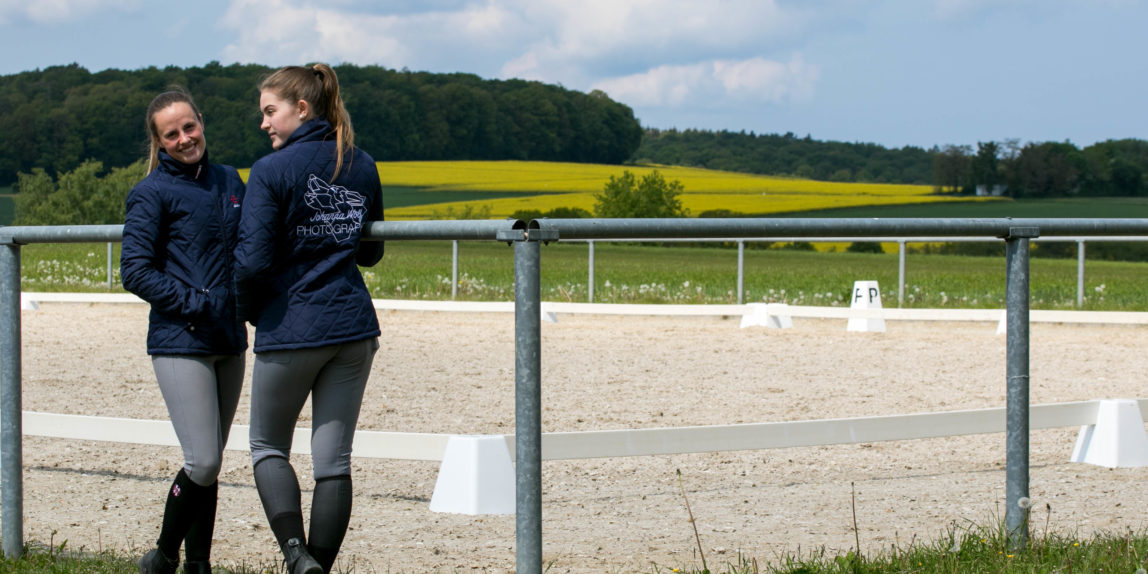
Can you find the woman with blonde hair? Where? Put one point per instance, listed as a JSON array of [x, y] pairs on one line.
[[179, 233], [316, 331]]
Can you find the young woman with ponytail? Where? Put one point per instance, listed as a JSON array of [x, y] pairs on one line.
[[179, 233], [297, 281]]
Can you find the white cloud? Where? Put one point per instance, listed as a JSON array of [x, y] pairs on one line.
[[55, 11], [575, 38], [285, 31], [716, 83], [572, 43]]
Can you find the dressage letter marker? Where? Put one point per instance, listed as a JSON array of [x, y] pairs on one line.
[[866, 295]]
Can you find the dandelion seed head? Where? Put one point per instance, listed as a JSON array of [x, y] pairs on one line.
[[1024, 503]]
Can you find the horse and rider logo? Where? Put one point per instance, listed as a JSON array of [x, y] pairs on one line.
[[339, 211]]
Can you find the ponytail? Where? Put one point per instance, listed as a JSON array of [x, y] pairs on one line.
[[319, 87]]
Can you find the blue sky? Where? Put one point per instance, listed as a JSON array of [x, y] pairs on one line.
[[892, 72]]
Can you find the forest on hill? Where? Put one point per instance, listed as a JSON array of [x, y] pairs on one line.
[[57, 118], [1113, 168]]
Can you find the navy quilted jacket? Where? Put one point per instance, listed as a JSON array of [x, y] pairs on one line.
[[296, 274], [181, 227]]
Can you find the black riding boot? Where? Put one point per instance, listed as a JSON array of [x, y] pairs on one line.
[[154, 562], [298, 560]]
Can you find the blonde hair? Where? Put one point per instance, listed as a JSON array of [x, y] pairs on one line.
[[174, 95], [319, 87]]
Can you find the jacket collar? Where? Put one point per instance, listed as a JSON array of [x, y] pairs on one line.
[[311, 130], [194, 172]]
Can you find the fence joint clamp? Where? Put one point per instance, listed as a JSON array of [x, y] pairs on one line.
[[510, 235], [1023, 233], [513, 235], [544, 235]]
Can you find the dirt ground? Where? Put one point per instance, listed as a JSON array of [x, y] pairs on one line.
[[454, 373]]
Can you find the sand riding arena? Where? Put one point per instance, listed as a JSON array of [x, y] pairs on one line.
[[453, 373]]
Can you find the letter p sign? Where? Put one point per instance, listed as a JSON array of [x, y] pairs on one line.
[[866, 296]]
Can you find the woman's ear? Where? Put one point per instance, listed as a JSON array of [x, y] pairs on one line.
[[304, 109]]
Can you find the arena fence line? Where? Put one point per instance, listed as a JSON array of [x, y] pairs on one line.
[[527, 240], [902, 253], [901, 242], [621, 442]]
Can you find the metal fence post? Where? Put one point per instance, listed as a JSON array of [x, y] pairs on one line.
[[1017, 501], [901, 273], [528, 396], [453, 270], [109, 265], [1080, 273], [591, 280], [11, 410], [740, 272]]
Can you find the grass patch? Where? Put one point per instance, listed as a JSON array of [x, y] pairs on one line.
[[59, 559], [629, 273], [967, 549], [69, 267]]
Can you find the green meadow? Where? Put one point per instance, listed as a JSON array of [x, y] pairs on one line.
[[629, 273]]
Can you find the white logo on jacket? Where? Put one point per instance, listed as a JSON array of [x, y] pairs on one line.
[[338, 210]]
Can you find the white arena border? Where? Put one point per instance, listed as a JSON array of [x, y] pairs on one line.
[[614, 443], [553, 309]]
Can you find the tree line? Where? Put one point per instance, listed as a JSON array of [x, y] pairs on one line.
[[1034, 170], [60, 117], [1113, 168], [57, 118]]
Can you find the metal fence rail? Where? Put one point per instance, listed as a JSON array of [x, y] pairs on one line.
[[527, 240], [901, 242]]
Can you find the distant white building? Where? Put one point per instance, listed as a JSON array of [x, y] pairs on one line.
[[996, 191]]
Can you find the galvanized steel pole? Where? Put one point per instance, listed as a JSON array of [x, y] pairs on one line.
[[1017, 501], [740, 272], [901, 273], [453, 270], [1080, 273], [591, 285], [528, 397], [11, 411]]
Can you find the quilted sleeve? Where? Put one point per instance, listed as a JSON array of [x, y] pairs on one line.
[[370, 252], [141, 259], [255, 251]]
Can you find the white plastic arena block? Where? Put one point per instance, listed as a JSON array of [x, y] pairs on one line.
[[548, 316], [27, 303], [476, 477], [1002, 325], [769, 315], [866, 295], [1118, 438]]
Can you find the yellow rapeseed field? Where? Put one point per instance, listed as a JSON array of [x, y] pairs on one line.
[[547, 185]]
